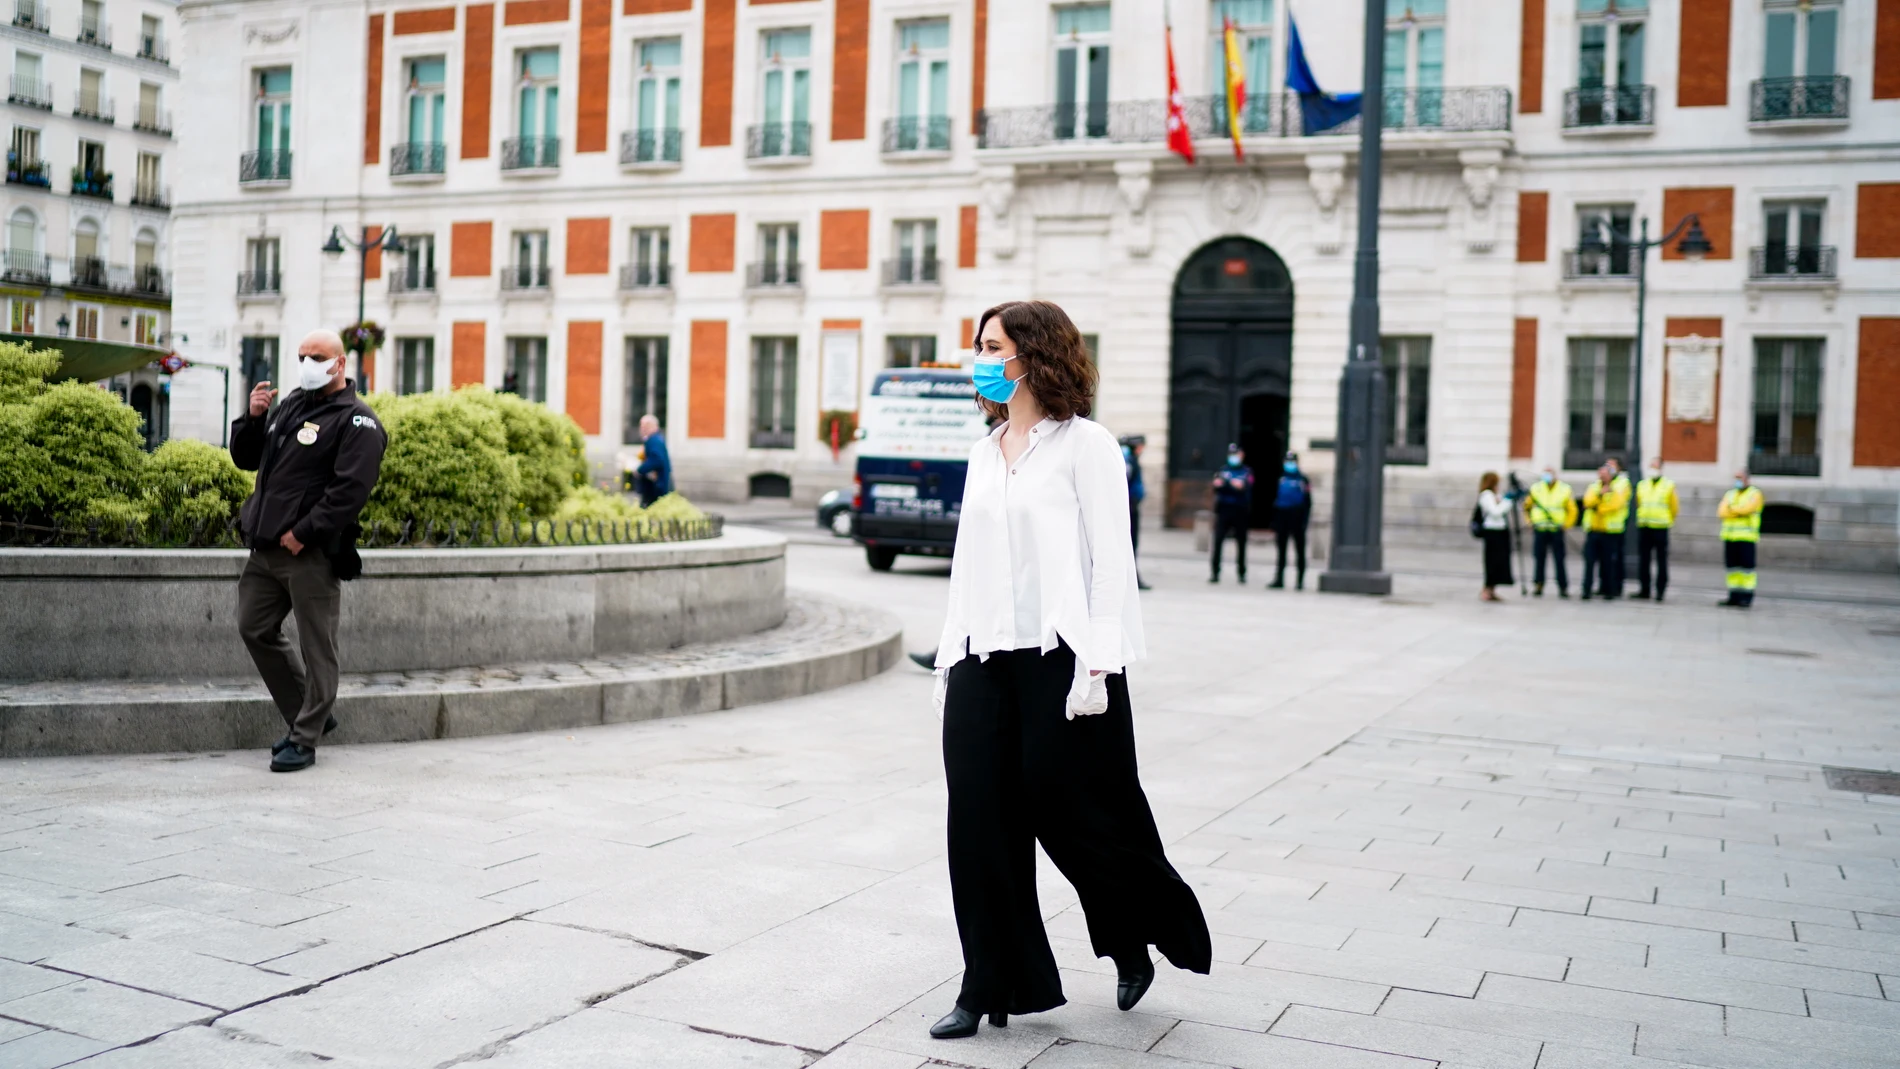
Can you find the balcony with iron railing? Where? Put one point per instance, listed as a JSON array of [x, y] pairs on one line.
[[772, 275], [1615, 262], [98, 107], [150, 280], [152, 120], [25, 266], [89, 273], [29, 15], [263, 168], [152, 195], [92, 183], [418, 159], [531, 154], [260, 283], [408, 281], [30, 92], [1472, 109], [638, 277], [912, 272], [28, 172], [916, 135], [1610, 109], [1791, 263], [153, 47], [650, 148], [1762, 462], [95, 33], [785, 142], [1819, 100], [526, 278]]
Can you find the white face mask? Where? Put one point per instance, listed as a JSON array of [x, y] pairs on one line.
[[314, 374]]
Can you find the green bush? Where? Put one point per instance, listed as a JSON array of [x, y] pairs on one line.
[[188, 483], [547, 446], [672, 507], [24, 371], [447, 463], [587, 503], [68, 453]]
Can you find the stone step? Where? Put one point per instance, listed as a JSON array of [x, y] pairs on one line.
[[823, 643]]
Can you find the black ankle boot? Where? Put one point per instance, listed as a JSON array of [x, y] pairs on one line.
[[1132, 983], [960, 1023]]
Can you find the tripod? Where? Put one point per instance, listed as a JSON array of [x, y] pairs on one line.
[[1517, 532]]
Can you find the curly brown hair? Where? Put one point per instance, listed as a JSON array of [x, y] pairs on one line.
[[1060, 373]]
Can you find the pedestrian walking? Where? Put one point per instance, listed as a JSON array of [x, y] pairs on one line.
[[1656, 508], [1038, 736], [317, 456], [1132, 445], [1292, 508], [1607, 505], [1551, 507], [1740, 513], [654, 477], [1493, 519], [1233, 505]]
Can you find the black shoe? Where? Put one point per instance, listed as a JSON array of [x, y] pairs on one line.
[[1242, 580], [1300, 583], [925, 661], [279, 746], [1563, 593], [1130, 987], [1641, 595], [1277, 584], [1586, 595], [1142, 584], [1537, 591], [293, 758], [1659, 596], [960, 1023], [1213, 578]]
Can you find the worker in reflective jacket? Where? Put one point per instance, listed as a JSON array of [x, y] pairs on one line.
[[1741, 534]]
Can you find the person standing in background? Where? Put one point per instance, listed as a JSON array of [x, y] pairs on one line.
[[654, 477], [1233, 501], [1607, 505], [1132, 446], [1741, 536], [1292, 508], [1494, 520], [1551, 506], [1656, 508]]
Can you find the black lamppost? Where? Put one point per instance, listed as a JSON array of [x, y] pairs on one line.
[[1357, 564], [1693, 247], [386, 240]]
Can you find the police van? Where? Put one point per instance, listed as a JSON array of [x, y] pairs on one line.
[[917, 429]]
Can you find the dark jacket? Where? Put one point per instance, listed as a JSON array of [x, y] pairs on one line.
[[1293, 516], [657, 469], [1231, 497], [313, 490]]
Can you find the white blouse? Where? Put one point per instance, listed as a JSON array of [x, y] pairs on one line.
[[1043, 555], [1495, 511]]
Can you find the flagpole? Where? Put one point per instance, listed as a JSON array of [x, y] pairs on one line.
[[1357, 563]]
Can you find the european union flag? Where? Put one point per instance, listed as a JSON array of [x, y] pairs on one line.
[[1319, 110]]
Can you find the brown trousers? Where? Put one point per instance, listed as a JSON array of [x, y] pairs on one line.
[[275, 584]]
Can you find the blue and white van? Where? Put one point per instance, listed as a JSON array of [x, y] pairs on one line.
[[917, 428]]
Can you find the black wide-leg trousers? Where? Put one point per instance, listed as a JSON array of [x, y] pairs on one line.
[[1020, 771]]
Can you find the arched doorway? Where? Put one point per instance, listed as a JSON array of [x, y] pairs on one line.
[[1231, 372]]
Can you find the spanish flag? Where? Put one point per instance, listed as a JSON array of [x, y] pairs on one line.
[[1236, 82]]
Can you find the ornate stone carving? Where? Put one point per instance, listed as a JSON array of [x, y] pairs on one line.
[[270, 33], [999, 194], [1135, 180], [1326, 174], [1481, 180], [1233, 196]]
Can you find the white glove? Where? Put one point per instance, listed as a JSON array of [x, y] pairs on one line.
[[941, 689], [1091, 701]]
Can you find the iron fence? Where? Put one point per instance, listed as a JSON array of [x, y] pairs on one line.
[[30, 92], [1454, 110], [152, 120], [1616, 260], [263, 166], [645, 276], [418, 157], [1791, 261], [530, 276], [913, 133], [912, 271], [650, 146], [152, 195], [152, 47], [767, 274], [29, 267], [1783, 99], [92, 184], [259, 283], [1609, 105], [94, 105], [95, 33], [150, 279], [30, 15], [778, 139], [405, 279], [501, 534], [529, 153], [89, 272], [28, 172]]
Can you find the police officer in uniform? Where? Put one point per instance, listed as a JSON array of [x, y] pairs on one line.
[[1656, 508], [1550, 506], [1741, 536], [317, 456]]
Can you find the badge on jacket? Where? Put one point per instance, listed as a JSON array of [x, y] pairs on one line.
[[308, 435]]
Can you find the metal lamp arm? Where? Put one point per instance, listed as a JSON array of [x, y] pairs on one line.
[[1645, 244]]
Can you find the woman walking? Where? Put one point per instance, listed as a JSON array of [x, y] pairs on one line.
[[1038, 737], [1494, 517]]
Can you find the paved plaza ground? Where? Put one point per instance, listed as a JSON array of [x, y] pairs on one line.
[[1425, 831]]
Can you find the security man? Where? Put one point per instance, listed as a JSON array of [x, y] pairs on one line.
[[1551, 506], [317, 456], [1607, 502], [1656, 508], [1741, 535], [1233, 504]]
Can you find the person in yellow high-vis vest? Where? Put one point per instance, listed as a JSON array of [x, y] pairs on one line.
[[1741, 533], [1656, 508], [1550, 507], [1607, 504]]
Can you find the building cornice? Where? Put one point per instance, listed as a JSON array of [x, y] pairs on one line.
[[41, 42], [1832, 152]]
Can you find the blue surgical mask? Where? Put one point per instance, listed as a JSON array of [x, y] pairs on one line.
[[1739, 484], [1549, 478], [1289, 467], [1233, 460], [991, 382]]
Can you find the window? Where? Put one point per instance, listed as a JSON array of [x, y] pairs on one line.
[[923, 87], [26, 78], [88, 269], [1599, 401], [273, 113], [1791, 232], [92, 162], [656, 102], [415, 271], [1603, 247], [646, 385], [1082, 70], [423, 153], [25, 149], [92, 23], [1414, 62], [23, 315], [148, 188], [23, 232], [916, 260], [151, 46], [1408, 397], [1253, 27], [1610, 63], [85, 321], [261, 266], [149, 116], [415, 365], [1799, 64], [908, 350], [145, 328], [257, 359], [648, 258], [1786, 437], [145, 250], [785, 94], [778, 255], [774, 392], [527, 372], [530, 267], [537, 112], [92, 102]]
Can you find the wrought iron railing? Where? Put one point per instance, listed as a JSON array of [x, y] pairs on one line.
[[781, 140], [764, 439], [28, 172], [501, 534], [92, 184], [530, 153], [769, 274], [1609, 105], [1789, 99], [152, 195], [1765, 463], [1454, 110], [260, 283], [152, 47], [29, 267], [1589, 459], [30, 92], [650, 146], [264, 167], [152, 120], [1791, 261], [1407, 453], [912, 271], [95, 33], [418, 157], [526, 277], [89, 272], [150, 279], [29, 15], [1615, 261], [917, 133], [645, 276], [405, 279], [93, 105]]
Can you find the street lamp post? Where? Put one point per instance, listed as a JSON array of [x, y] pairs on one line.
[[385, 239], [1357, 564]]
